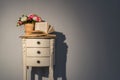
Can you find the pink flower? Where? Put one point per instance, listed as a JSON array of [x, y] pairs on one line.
[[31, 18], [31, 15], [39, 19], [34, 17], [20, 22]]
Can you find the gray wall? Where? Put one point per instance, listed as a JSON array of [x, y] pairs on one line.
[[89, 29]]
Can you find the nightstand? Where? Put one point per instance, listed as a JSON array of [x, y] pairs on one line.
[[38, 51]]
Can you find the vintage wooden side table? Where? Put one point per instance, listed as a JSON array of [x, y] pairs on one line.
[[38, 51]]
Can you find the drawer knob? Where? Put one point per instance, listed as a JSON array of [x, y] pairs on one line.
[[38, 62], [38, 42], [38, 52]]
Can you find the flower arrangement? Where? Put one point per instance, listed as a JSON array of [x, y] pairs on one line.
[[32, 18]]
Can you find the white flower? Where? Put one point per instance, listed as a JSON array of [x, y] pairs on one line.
[[24, 18], [35, 18]]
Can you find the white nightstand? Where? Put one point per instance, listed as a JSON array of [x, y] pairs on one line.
[[38, 52]]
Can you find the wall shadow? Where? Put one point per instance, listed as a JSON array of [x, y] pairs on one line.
[[60, 61], [40, 72], [60, 56]]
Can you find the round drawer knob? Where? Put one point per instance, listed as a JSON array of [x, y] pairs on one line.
[[38, 52], [38, 62], [38, 42]]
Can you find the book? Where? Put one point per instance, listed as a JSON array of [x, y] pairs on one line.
[[44, 27]]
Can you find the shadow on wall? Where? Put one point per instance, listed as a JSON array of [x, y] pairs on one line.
[[60, 56], [60, 61]]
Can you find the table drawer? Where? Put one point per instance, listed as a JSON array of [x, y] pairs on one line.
[[38, 61], [38, 51], [37, 42]]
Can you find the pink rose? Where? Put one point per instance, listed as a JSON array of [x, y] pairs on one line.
[[39, 19], [20, 22], [29, 18], [31, 15]]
